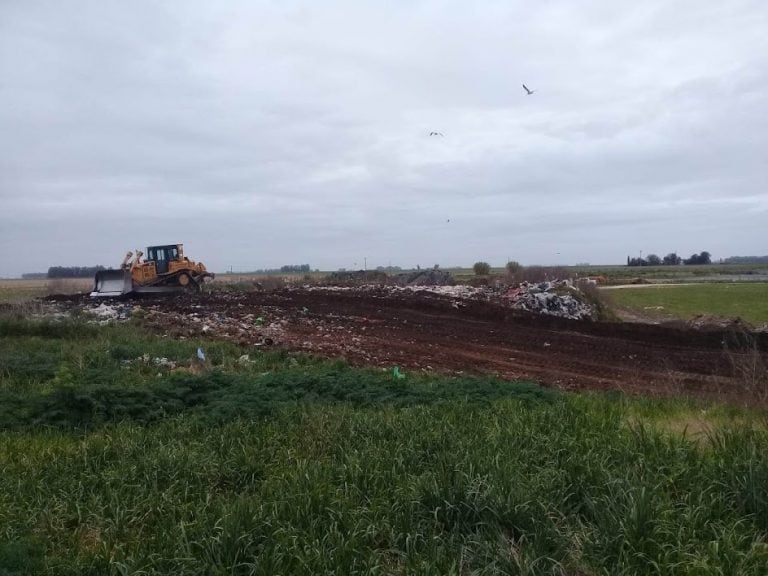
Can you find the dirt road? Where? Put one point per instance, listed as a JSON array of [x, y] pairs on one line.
[[419, 331]]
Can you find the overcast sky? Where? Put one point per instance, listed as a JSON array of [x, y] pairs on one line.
[[269, 133]]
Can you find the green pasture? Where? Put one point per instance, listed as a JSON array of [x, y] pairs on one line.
[[748, 301]]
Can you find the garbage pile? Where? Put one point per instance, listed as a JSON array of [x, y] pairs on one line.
[[556, 298], [245, 329], [459, 291], [559, 298], [356, 277], [105, 313], [433, 277], [455, 291]]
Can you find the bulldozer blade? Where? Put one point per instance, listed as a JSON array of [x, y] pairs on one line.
[[112, 283]]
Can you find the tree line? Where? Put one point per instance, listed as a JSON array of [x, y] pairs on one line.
[[295, 268], [671, 259]]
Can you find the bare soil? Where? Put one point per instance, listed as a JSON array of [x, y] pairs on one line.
[[422, 331]]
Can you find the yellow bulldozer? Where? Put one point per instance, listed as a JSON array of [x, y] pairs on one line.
[[165, 269]]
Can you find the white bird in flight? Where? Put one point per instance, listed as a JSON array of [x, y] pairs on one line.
[[528, 91]]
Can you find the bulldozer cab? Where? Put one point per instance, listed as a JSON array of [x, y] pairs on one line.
[[163, 255]]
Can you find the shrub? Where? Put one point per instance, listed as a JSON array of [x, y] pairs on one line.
[[653, 260], [481, 268], [599, 300]]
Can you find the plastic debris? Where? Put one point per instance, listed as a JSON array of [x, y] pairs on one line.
[[164, 362], [200, 355], [105, 313]]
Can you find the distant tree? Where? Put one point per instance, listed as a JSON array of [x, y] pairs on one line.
[[637, 262], [703, 258], [653, 260], [481, 268], [671, 259], [513, 267]]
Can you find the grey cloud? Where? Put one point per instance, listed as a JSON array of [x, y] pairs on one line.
[[262, 134]]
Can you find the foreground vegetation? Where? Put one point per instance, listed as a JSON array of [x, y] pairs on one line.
[[122, 455], [748, 301]]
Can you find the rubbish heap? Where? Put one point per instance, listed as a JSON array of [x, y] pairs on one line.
[[559, 298], [244, 328], [105, 313], [455, 291], [432, 277], [459, 291], [356, 278]]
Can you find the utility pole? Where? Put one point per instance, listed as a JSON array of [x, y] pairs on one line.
[[365, 263]]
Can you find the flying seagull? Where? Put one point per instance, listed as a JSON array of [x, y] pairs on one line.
[[436, 134], [528, 92]]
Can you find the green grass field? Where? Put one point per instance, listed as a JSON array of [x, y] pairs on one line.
[[114, 462], [748, 301]]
